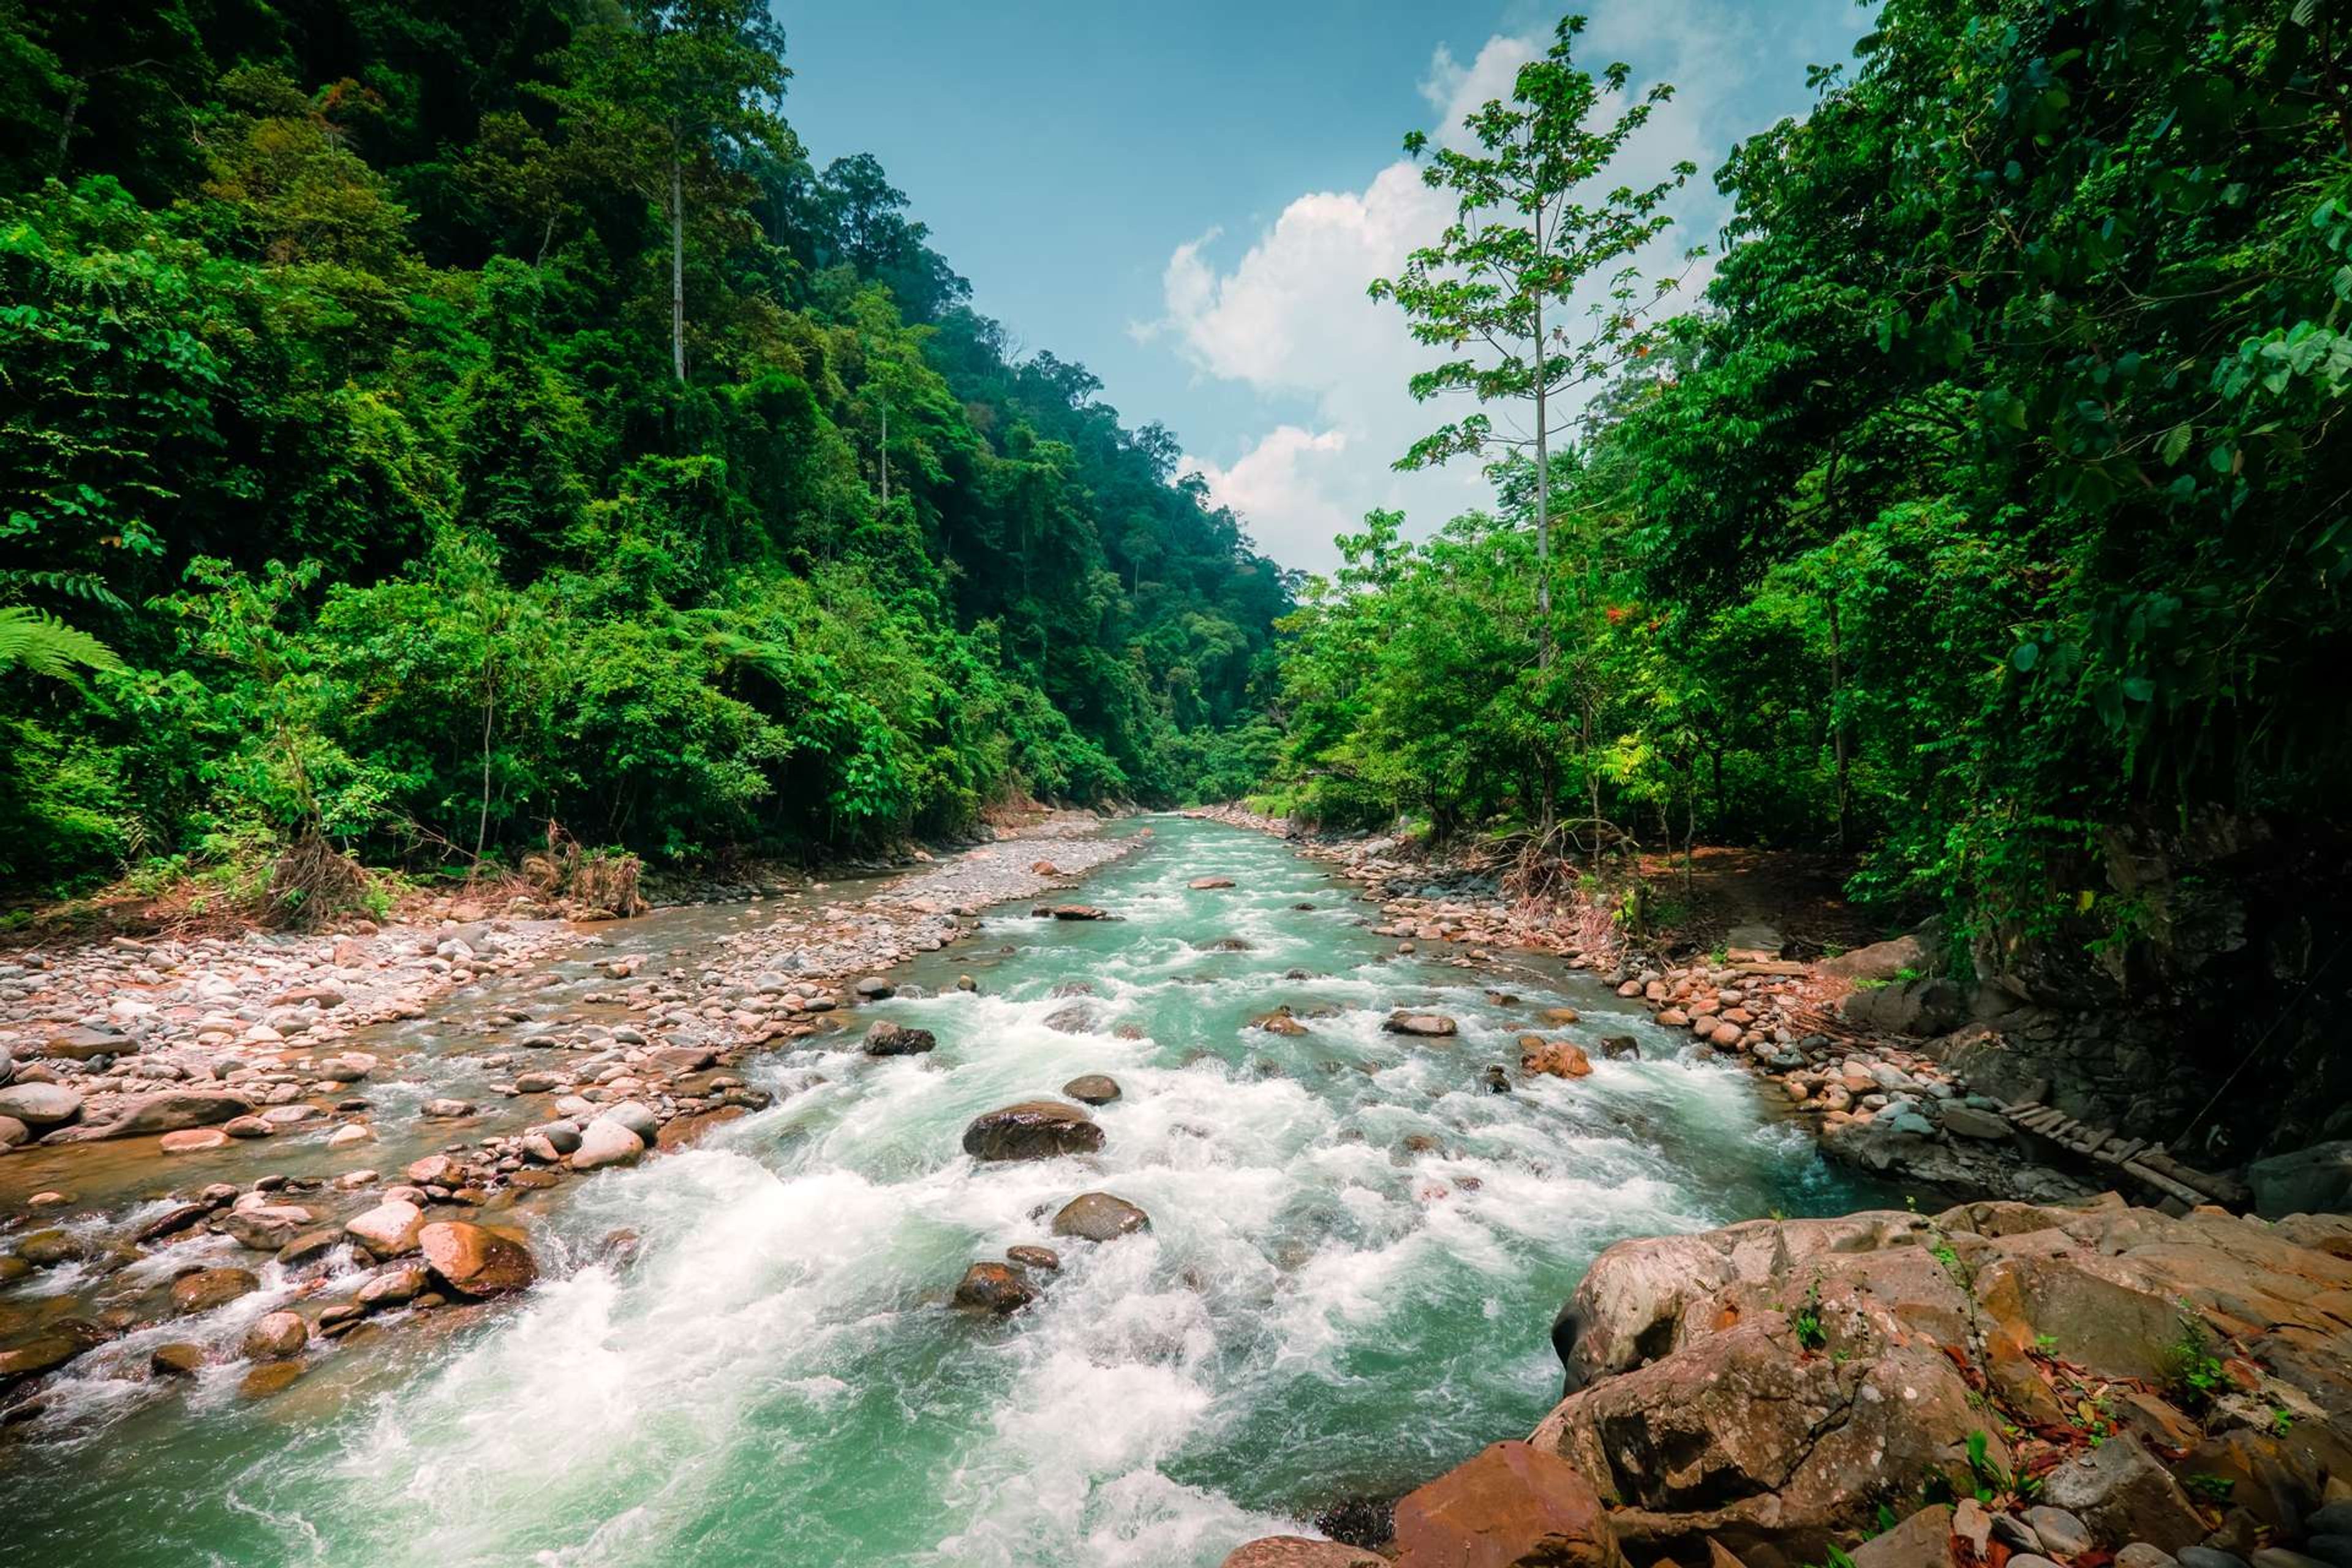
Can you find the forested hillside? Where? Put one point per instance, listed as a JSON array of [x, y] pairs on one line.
[[423, 421], [1987, 514]]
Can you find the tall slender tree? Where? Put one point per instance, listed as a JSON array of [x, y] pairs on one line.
[[1501, 286]]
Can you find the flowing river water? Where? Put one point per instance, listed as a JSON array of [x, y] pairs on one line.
[[1355, 1254]]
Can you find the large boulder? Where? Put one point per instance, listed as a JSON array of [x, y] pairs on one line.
[[1099, 1216], [1033, 1129], [40, 1104], [996, 1287], [475, 1260], [161, 1111], [208, 1288], [1753, 1386], [1092, 1089], [2317, 1180], [1428, 1025], [389, 1229], [606, 1141], [888, 1039], [1513, 1506]]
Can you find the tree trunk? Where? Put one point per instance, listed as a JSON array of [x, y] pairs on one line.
[[1547, 806], [676, 266]]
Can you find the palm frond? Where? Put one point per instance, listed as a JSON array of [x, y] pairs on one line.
[[47, 645]]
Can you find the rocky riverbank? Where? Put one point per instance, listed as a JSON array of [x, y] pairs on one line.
[[2002, 1384], [186, 1061]]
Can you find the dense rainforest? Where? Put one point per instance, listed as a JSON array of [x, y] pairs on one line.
[[1985, 513], [424, 422]]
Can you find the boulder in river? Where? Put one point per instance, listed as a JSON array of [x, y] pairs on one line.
[[1028, 1257], [277, 1336], [208, 1288], [874, 988], [475, 1260], [888, 1039], [1281, 1021], [1092, 1089], [1072, 911], [178, 1359], [388, 1229], [1076, 1018], [1553, 1058], [994, 1287], [1209, 884], [162, 1111], [1099, 1216], [1429, 1026], [605, 1141], [1033, 1129]]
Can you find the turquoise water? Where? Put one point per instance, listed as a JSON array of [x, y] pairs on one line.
[[1319, 1311]]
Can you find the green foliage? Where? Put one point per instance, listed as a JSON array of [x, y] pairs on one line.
[[1991, 499], [343, 401], [2193, 1372], [1806, 1322]]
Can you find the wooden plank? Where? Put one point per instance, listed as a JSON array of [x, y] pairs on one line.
[[2020, 1108], [2165, 1184], [2131, 1148]]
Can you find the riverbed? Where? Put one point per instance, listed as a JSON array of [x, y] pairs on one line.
[[1356, 1247]]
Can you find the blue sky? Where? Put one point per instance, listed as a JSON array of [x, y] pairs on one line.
[[1191, 199]]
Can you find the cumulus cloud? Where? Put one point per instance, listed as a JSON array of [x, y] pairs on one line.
[[1289, 317]]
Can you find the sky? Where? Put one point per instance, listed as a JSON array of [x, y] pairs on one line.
[[1191, 200]]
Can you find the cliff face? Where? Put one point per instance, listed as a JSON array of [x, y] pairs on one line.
[[1778, 1388]]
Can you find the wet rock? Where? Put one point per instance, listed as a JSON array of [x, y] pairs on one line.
[[1497, 1081], [163, 1110], [1300, 1552], [172, 1221], [193, 1141], [13, 1133], [45, 1352], [270, 1377], [1077, 1018], [1099, 1216], [276, 1336], [1279, 1022], [209, 1288], [1431, 1026], [1033, 1129], [389, 1229], [874, 988], [436, 1171], [265, 1227], [1512, 1504], [310, 1246], [1092, 1089], [638, 1117], [1209, 884], [1041, 1258], [475, 1260], [248, 1127], [605, 1141], [47, 1248], [39, 1105], [1074, 911], [179, 1359], [446, 1110], [1553, 1058], [393, 1288], [993, 1287], [1620, 1047], [888, 1039]]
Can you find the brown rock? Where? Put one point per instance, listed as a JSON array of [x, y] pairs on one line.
[[1514, 1506], [1300, 1552], [1922, 1540], [1043, 1257], [270, 1377], [277, 1336], [177, 1360], [1033, 1129], [1208, 884], [994, 1287], [475, 1260], [210, 1288], [193, 1141], [1554, 1058], [1092, 1089], [1099, 1216], [1428, 1025]]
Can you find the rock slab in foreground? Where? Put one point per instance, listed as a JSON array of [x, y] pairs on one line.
[[1514, 1504], [1696, 1404], [1300, 1552], [1033, 1129]]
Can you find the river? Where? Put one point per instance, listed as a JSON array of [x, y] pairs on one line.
[[1355, 1253]]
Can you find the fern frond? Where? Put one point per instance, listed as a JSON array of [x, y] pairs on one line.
[[47, 645]]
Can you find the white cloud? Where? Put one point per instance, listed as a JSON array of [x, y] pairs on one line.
[[1291, 320]]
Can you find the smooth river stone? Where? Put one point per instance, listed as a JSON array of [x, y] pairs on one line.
[[1033, 1129], [1099, 1216]]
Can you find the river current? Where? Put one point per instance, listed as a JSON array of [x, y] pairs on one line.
[[1355, 1254]]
